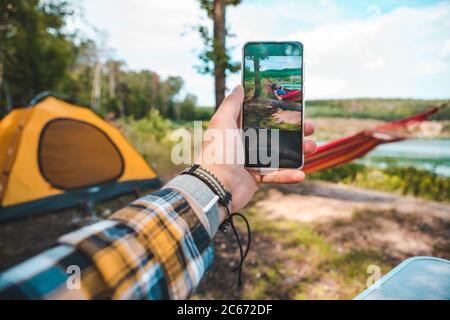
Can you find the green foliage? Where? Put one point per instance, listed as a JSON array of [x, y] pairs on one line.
[[404, 180], [187, 108], [149, 136], [35, 50], [204, 113], [37, 54], [281, 73], [77, 82], [212, 54], [153, 125], [346, 173], [382, 109], [264, 50]]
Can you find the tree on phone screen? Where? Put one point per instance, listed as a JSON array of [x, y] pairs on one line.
[[255, 54]]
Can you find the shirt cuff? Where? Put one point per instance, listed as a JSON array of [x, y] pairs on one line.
[[202, 199]]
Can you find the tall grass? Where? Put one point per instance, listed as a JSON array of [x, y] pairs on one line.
[[150, 136]]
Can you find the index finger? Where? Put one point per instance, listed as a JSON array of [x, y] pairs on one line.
[[309, 128], [284, 176]]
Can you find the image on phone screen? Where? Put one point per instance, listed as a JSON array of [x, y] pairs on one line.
[[273, 104]]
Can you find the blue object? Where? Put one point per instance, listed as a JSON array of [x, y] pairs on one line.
[[418, 278]]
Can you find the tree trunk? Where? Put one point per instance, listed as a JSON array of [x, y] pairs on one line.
[[219, 50], [96, 86], [112, 74], [7, 96], [154, 84], [257, 77], [2, 109]]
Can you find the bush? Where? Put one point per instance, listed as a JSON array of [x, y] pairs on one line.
[[153, 126], [403, 180]]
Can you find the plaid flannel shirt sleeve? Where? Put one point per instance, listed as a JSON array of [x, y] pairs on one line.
[[157, 247]]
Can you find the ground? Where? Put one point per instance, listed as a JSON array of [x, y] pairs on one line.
[[316, 241], [310, 241], [272, 114]]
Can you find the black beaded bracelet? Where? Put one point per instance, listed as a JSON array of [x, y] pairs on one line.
[[212, 181]]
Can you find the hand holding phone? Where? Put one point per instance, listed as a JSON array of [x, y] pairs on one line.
[[241, 182]]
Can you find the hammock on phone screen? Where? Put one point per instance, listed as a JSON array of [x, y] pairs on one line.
[[290, 96], [344, 150]]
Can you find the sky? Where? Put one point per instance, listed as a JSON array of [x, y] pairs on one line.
[[386, 48]]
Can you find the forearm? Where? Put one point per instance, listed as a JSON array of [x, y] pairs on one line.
[[158, 247]]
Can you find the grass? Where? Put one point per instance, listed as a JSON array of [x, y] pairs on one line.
[[306, 266]]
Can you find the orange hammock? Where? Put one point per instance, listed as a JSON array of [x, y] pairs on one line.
[[290, 96], [341, 151]]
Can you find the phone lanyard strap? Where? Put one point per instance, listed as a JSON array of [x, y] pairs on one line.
[[225, 200]]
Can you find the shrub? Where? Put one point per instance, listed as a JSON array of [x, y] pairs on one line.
[[403, 180]]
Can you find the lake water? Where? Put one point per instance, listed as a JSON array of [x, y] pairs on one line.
[[429, 154], [291, 86]]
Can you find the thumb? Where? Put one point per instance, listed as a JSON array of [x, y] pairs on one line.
[[231, 105]]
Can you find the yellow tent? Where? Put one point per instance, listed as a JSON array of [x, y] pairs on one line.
[[56, 155]]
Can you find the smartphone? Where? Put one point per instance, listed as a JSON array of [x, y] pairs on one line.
[[273, 108]]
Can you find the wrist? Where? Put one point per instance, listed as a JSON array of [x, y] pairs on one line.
[[224, 179], [222, 213], [220, 183], [223, 175]]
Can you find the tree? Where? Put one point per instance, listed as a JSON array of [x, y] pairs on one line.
[[257, 53], [101, 51], [215, 57], [97, 85], [37, 54], [187, 107], [113, 103], [77, 82], [169, 89], [35, 50], [6, 9]]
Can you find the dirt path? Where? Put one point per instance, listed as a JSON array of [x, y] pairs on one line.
[[405, 226], [287, 116], [316, 240], [322, 201]]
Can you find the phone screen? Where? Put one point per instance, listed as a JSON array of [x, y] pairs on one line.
[[273, 105]]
